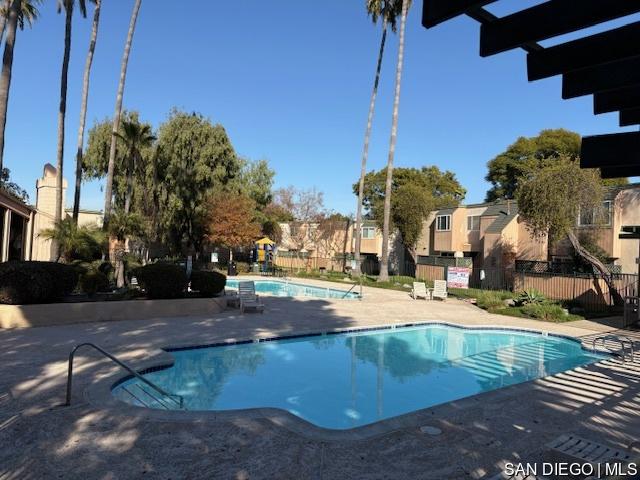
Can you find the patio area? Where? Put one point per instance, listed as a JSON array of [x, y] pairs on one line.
[[42, 439]]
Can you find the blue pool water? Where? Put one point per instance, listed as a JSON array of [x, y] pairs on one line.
[[287, 289], [346, 380]]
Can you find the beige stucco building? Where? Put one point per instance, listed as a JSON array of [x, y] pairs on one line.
[[21, 225], [493, 235]]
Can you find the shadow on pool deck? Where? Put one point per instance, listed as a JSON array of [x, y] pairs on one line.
[[40, 439]]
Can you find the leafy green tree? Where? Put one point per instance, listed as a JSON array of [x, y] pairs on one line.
[[527, 155], [96, 157], [123, 226], [74, 242], [111, 165], [195, 158], [255, 180], [136, 137], [83, 106], [68, 6], [12, 188], [550, 201], [386, 223], [388, 11], [415, 192], [14, 13]]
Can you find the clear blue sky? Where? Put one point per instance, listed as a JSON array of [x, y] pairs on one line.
[[291, 83]]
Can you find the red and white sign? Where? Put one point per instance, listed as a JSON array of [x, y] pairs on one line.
[[458, 277]]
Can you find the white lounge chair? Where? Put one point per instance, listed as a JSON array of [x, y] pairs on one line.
[[420, 290], [439, 289], [248, 297]]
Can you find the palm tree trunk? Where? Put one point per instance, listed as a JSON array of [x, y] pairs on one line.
[[384, 261], [83, 109], [595, 262], [365, 151], [62, 111], [3, 18], [7, 64], [129, 193], [108, 191]]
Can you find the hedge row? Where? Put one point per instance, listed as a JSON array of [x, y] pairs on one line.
[[35, 282]]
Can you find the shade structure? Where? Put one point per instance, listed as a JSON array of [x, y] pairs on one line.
[[605, 64], [265, 241]]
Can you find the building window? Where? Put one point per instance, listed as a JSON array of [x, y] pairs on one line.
[[473, 223], [368, 232], [596, 216], [443, 223]]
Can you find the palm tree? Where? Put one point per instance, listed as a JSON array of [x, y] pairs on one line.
[[123, 226], [18, 12], [74, 242], [108, 191], [135, 136], [384, 260], [83, 107], [388, 11], [28, 13], [68, 6]]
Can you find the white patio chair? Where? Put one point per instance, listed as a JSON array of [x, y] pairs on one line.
[[420, 290], [439, 289], [248, 297]]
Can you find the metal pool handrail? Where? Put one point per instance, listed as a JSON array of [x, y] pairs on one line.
[[172, 396], [623, 340]]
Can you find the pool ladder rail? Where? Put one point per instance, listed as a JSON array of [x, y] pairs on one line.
[[177, 400], [623, 341]]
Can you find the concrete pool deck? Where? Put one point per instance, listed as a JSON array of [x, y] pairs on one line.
[[41, 439]]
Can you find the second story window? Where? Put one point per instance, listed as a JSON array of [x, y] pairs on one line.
[[368, 232], [473, 223], [443, 223], [596, 216]]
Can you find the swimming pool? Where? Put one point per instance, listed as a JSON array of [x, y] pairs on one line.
[[345, 380], [288, 289]]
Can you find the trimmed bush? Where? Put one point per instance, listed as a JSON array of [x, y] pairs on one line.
[[35, 282], [93, 282], [162, 280], [208, 283]]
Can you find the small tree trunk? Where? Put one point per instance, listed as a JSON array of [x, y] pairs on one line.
[[62, 110], [365, 151], [595, 262], [7, 64], [83, 109], [108, 190], [129, 194], [384, 261]]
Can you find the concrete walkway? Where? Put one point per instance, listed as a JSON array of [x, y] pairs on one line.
[[41, 439]]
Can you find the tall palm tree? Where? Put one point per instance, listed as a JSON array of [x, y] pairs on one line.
[[108, 191], [18, 12], [388, 11], [135, 136], [83, 107], [28, 13], [68, 6], [384, 260]]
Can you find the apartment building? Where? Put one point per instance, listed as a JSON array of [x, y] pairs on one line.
[[492, 235]]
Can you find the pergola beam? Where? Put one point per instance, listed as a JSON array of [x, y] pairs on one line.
[[604, 47], [630, 117], [549, 19], [608, 76], [614, 100], [617, 154], [438, 11]]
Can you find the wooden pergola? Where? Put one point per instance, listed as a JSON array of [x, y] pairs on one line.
[[605, 65]]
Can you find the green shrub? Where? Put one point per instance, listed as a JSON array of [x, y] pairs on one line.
[[94, 281], [490, 300], [242, 267], [529, 296], [208, 283], [35, 282], [545, 311], [162, 280]]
